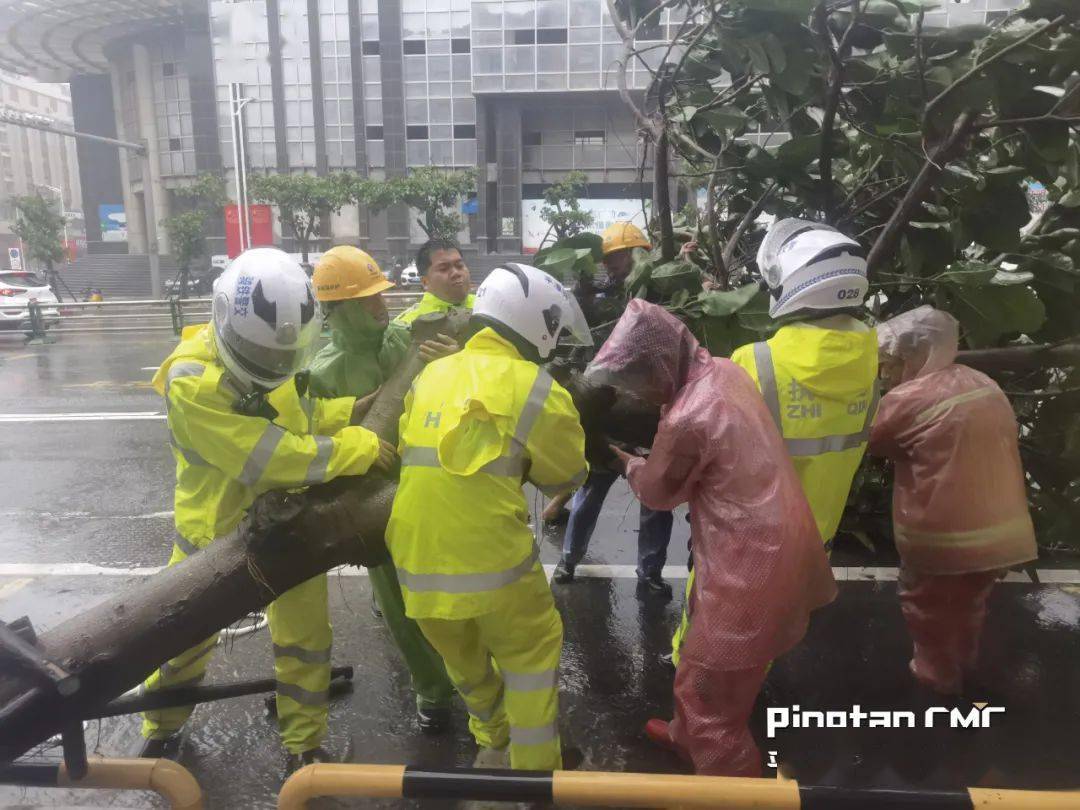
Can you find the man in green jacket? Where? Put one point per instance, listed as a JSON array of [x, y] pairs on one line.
[[445, 278], [364, 349]]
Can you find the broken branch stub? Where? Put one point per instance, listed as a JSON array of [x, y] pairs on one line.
[[288, 539]]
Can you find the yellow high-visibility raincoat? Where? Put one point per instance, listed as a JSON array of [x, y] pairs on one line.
[[224, 459], [431, 303], [477, 424], [819, 380]]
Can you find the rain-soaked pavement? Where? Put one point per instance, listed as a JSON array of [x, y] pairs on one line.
[[85, 500]]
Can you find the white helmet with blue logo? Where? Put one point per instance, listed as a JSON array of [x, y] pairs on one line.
[[811, 266], [530, 308], [266, 318]]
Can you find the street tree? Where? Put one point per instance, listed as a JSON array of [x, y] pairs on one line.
[[41, 228], [304, 201], [562, 209], [920, 142], [204, 198], [435, 193]]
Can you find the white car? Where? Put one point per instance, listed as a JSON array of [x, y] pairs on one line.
[[18, 288], [410, 277]]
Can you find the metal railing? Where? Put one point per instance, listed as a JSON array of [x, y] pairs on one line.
[[171, 314], [599, 789]]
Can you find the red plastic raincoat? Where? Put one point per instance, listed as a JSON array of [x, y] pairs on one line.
[[760, 568], [959, 503], [960, 512]]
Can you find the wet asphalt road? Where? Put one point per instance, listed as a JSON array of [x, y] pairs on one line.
[[97, 492]]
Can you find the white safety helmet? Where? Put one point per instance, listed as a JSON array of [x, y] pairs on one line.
[[266, 317], [530, 308], [811, 266]]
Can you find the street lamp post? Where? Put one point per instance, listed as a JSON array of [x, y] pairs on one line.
[[238, 101]]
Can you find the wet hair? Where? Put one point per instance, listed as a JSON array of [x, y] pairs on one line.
[[423, 256]]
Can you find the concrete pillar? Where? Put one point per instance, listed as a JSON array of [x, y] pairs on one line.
[[147, 116], [508, 157], [136, 235]]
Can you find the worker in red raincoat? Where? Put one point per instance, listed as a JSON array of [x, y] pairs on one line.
[[960, 512], [759, 562]]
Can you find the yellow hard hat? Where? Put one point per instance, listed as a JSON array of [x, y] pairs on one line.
[[623, 235], [346, 272]]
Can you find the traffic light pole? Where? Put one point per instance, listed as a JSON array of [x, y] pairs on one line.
[[20, 119]]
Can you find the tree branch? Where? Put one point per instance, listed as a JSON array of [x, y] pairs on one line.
[[620, 77], [981, 66], [860, 184], [834, 87], [715, 251], [916, 193], [744, 224], [1072, 120]]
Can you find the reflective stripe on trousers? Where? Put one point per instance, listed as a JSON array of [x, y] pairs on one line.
[[468, 583], [766, 373]]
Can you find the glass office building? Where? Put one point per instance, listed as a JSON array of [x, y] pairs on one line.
[[522, 91]]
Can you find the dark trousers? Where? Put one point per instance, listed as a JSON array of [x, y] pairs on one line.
[[654, 532]]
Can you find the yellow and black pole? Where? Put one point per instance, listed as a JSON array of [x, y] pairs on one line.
[[173, 782], [598, 789]]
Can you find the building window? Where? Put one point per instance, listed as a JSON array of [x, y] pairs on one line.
[[175, 145], [13, 92], [464, 131], [551, 36], [370, 47], [522, 36], [414, 46], [374, 133], [168, 69], [530, 139], [589, 137], [460, 46], [416, 133], [650, 32], [52, 105]]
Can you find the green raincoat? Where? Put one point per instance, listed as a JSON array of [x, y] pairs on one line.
[[360, 356]]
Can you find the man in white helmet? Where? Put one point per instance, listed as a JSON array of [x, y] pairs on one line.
[[243, 424], [477, 424], [818, 373]]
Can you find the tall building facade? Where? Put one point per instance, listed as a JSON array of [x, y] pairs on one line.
[[37, 162], [521, 91]]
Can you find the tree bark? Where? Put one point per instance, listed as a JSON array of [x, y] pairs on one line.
[[289, 539], [662, 190]]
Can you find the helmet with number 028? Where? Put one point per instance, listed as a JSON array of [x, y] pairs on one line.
[[812, 267], [266, 318], [531, 309]]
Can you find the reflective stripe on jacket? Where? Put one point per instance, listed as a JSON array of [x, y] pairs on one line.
[[820, 385], [959, 501], [224, 459], [431, 303], [476, 425]]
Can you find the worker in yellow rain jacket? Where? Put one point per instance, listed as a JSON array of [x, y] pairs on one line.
[[364, 349], [241, 425], [445, 278], [818, 373], [477, 424]]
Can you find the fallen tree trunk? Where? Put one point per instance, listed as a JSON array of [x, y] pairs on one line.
[[1022, 358], [288, 539]]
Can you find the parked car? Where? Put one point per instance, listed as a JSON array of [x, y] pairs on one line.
[[410, 277], [18, 288], [192, 286]]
